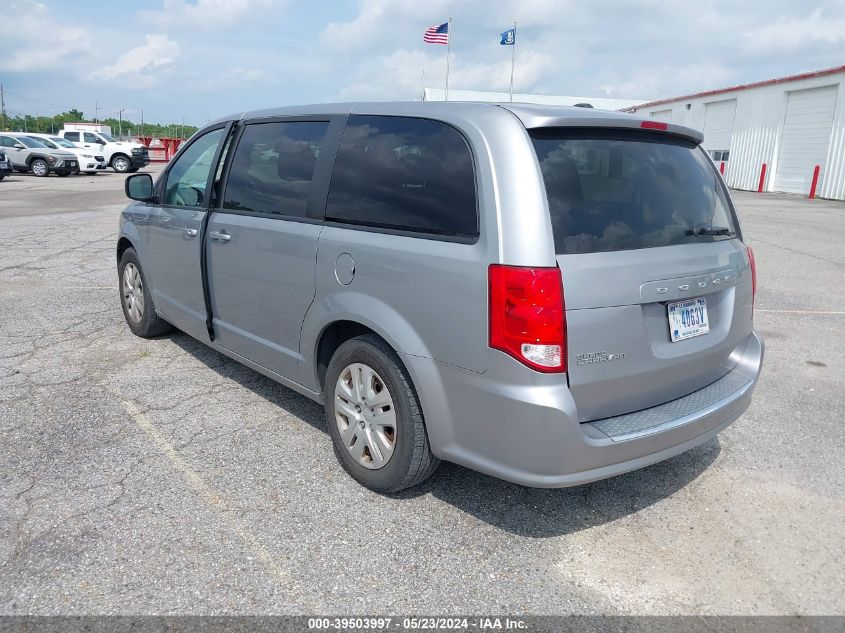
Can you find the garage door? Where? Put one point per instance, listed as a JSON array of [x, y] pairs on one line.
[[662, 115], [806, 137], [718, 128]]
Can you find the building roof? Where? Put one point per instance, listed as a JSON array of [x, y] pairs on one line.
[[600, 103], [756, 84]]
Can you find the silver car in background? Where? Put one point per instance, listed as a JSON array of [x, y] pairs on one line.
[[31, 154], [89, 161], [549, 295]]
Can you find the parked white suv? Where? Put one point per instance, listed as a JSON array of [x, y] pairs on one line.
[[120, 155], [90, 159]]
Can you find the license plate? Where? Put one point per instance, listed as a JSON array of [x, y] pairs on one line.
[[73, 163], [687, 319]]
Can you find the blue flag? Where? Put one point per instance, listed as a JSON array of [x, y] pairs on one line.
[[508, 38]]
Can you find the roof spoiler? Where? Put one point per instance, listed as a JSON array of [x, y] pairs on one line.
[[614, 120]]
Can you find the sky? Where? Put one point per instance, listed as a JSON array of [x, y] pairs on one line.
[[202, 59]]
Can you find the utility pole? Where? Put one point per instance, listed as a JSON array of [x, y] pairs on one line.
[[96, 112], [142, 121], [120, 123], [2, 109]]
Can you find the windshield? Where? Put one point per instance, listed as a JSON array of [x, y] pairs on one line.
[[108, 137], [61, 142], [611, 190], [30, 142]]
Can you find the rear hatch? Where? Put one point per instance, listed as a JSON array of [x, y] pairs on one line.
[[656, 280]]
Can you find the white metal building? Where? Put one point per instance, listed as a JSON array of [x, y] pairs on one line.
[[789, 125], [600, 103]]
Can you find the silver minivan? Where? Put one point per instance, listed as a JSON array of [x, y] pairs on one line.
[[549, 295]]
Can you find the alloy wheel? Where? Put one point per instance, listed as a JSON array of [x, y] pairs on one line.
[[133, 293], [39, 168]]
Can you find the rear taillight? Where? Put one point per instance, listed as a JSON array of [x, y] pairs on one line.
[[753, 264], [527, 316], [654, 125]]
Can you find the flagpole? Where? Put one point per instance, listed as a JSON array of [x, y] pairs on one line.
[[513, 56], [448, 48]]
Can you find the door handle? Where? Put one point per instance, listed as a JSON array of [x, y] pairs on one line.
[[189, 233], [220, 236]]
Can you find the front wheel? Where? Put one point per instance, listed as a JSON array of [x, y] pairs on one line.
[[40, 168], [121, 164], [135, 298], [374, 417]]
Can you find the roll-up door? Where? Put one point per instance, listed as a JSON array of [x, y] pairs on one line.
[[806, 137]]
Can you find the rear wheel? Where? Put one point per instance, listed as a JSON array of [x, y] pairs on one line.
[[374, 417], [39, 167], [121, 164], [135, 299]]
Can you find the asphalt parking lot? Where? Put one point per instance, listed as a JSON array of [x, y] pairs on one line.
[[160, 477]]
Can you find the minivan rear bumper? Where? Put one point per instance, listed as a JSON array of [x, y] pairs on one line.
[[523, 426]]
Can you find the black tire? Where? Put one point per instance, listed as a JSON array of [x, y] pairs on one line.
[[150, 324], [2, 176], [134, 169], [121, 163], [40, 168], [412, 461]]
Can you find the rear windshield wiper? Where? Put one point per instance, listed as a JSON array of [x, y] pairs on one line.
[[709, 230]]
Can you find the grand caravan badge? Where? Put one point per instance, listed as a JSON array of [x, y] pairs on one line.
[[598, 357]]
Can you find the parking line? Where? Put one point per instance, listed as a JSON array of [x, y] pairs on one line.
[[211, 497], [800, 311]]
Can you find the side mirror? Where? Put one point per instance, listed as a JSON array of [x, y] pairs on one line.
[[139, 187], [100, 141], [19, 146]]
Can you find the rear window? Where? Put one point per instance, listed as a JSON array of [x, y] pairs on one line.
[[406, 174], [611, 190], [30, 142]]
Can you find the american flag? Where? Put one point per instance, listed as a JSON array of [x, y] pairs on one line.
[[437, 34]]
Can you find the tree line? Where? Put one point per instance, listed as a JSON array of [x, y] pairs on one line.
[[52, 125]]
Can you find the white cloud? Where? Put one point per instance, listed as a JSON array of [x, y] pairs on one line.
[[136, 64], [35, 41], [791, 34], [210, 14]]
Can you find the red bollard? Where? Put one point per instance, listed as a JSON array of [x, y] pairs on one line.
[[762, 179], [815, 181], [722, 168]]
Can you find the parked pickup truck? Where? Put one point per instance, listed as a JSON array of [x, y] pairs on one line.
[[120, 155]]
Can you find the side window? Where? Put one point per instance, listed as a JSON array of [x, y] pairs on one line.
[[91, 138], [188, 176], [273, 166], [72, 136], [404, 173], [5, 141]]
